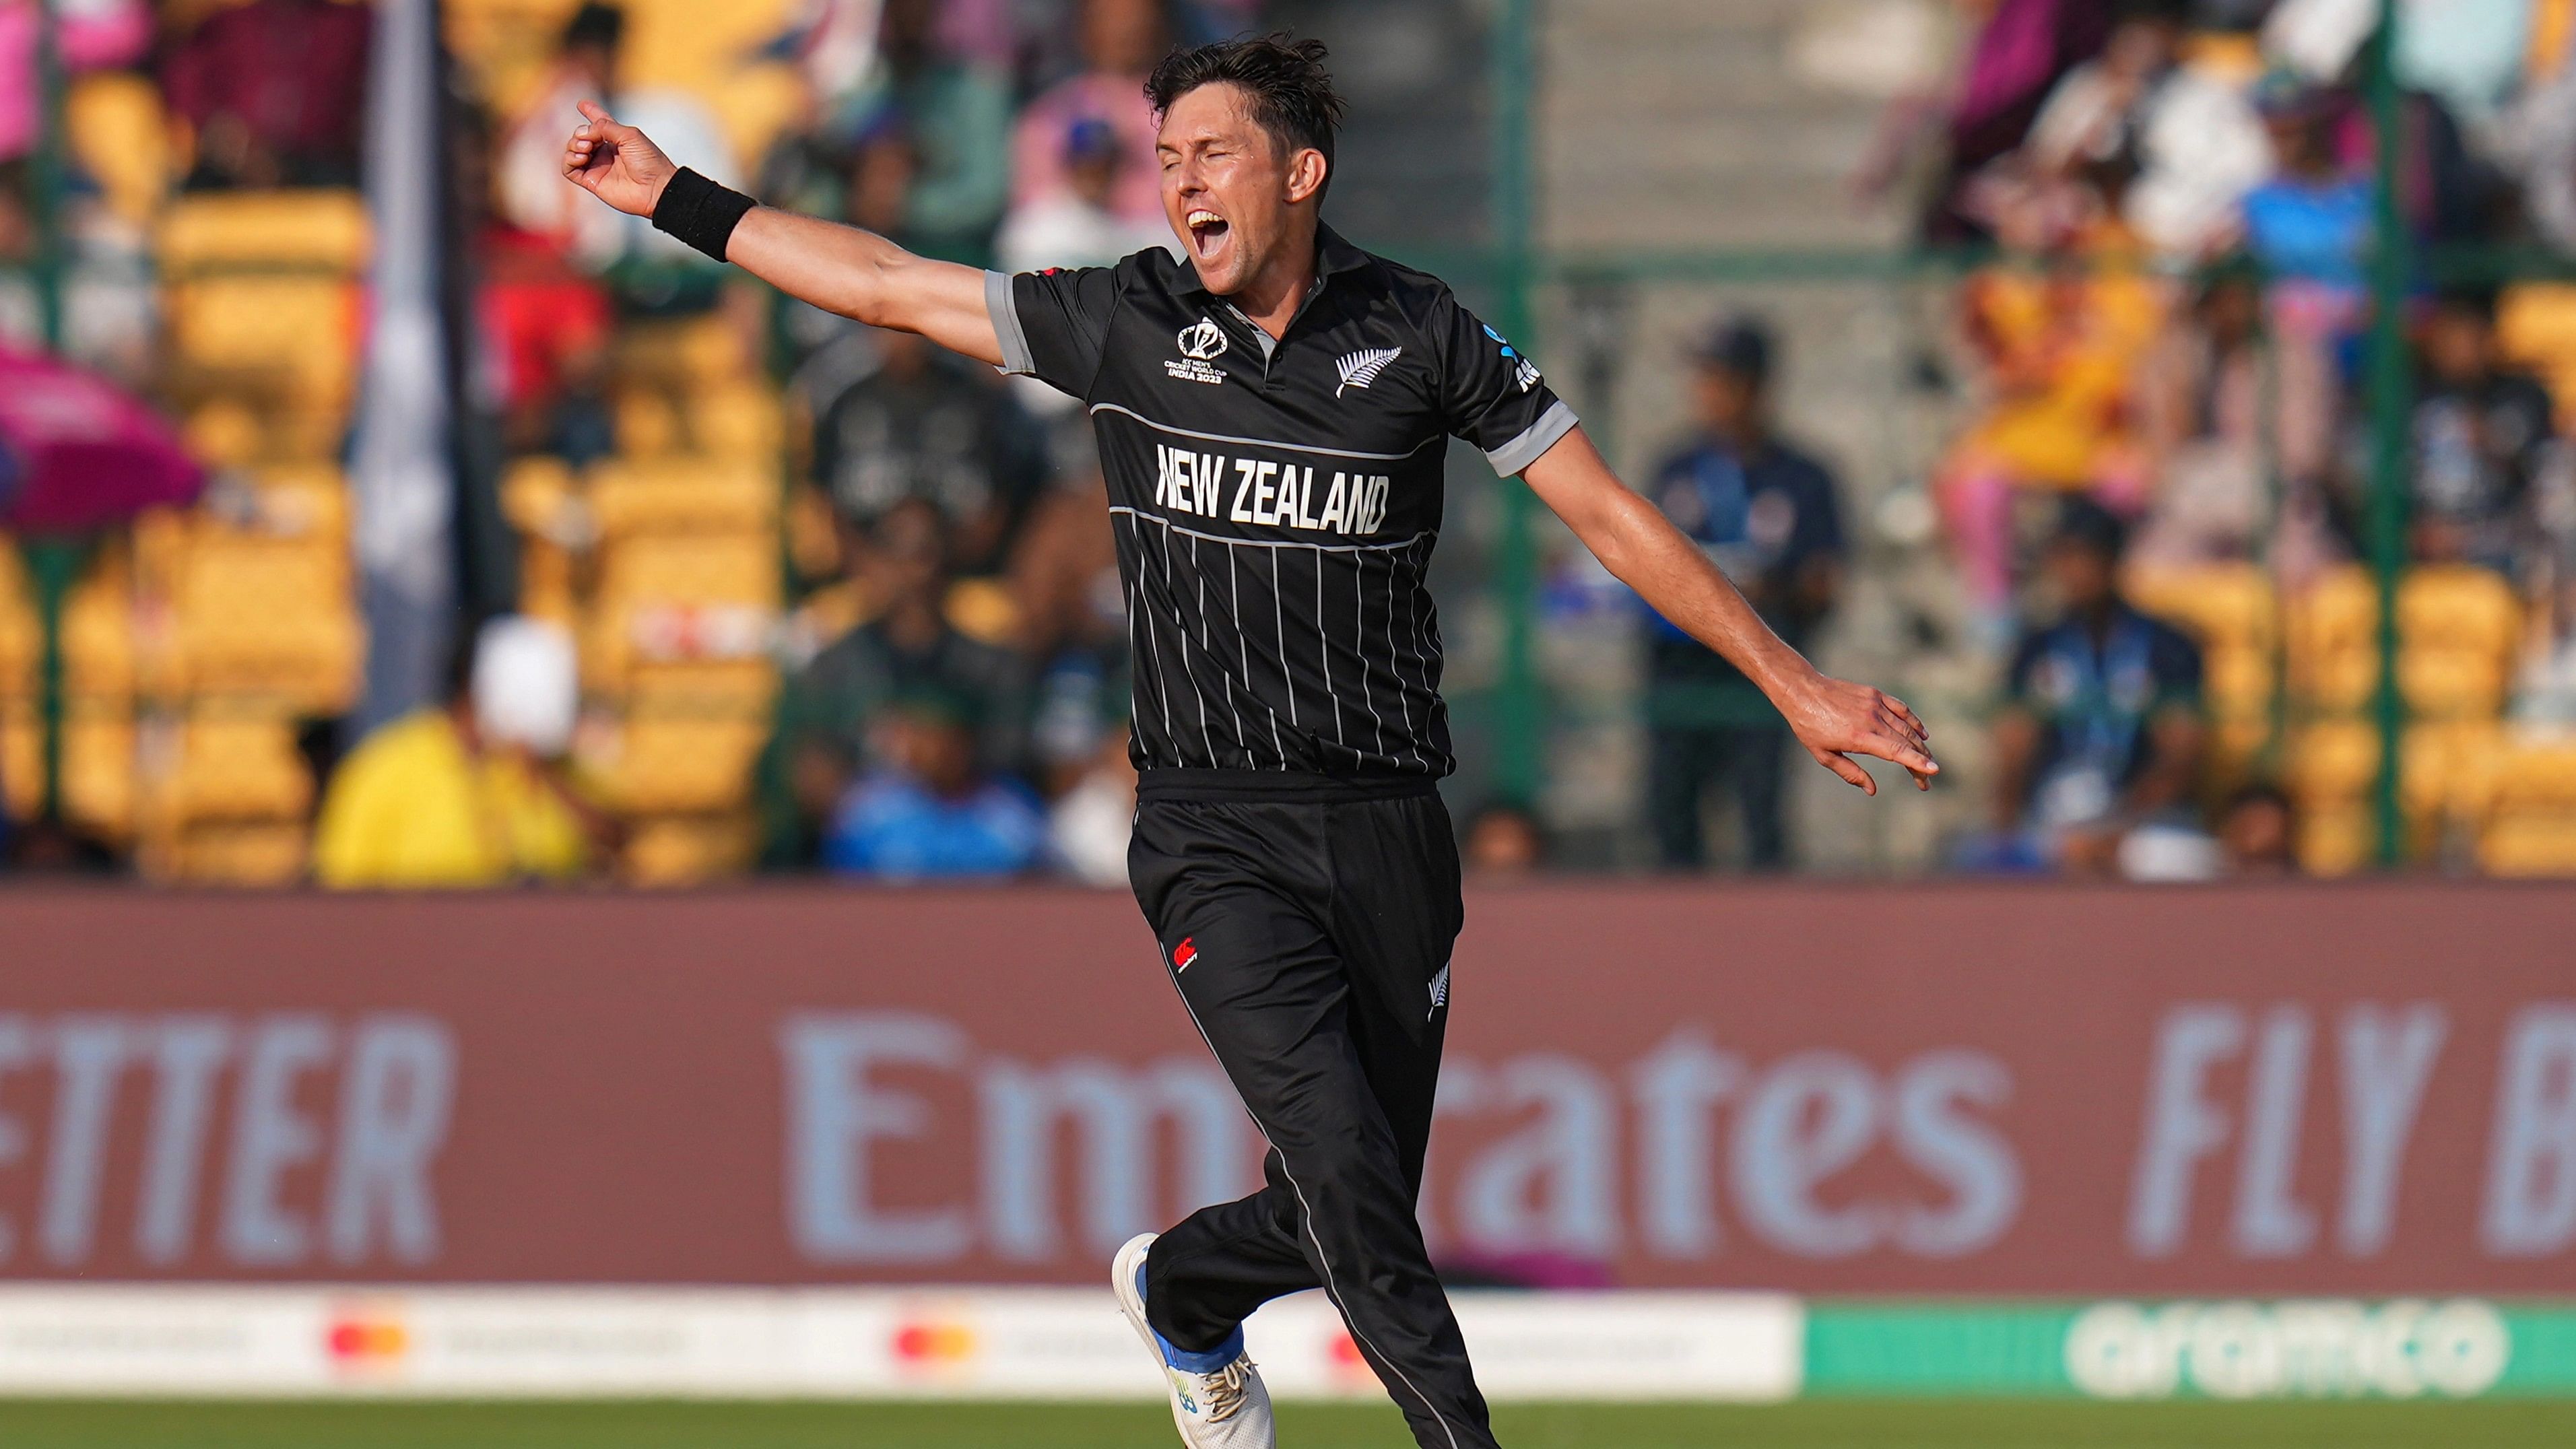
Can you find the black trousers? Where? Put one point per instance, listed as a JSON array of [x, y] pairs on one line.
[[1684, 763], [1310, 941]]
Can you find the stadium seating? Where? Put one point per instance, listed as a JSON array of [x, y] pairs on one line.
[[2303, 673]]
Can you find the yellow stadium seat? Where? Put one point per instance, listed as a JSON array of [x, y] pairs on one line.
[[2459, 607], [2451, 683], [2336, 840], [686, 496], [233, 763], [2536, 775], [321, 230], [234, 853], [2340, 681], [2335, 760], [2238, 681], [99, 768], [290, 339], [2536, 326], [225, 433], [265, 606], [738, 421], [984, 609], [2528, 846], [648, 424], [2224, 606], [674, 762], [682, 356], [22, 785], [19, 628], [115, 124], [99, 764], [98, 632], [723, 569], [683, 850], [2339, 610]]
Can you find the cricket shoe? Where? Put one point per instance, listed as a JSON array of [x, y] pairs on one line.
[[1218, 1400]]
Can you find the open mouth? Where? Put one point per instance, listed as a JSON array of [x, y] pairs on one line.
[[1208, 232]]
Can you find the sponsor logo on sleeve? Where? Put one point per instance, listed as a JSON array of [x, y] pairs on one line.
[[1524, 371]]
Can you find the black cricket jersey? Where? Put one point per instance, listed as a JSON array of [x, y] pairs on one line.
[[1275, 504]]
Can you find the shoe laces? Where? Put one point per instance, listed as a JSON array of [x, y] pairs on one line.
[[1225, 1389]]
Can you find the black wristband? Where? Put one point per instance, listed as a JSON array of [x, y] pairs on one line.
[[700, 212]]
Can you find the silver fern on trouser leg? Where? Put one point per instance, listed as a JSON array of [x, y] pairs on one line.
[[1218, 1399]]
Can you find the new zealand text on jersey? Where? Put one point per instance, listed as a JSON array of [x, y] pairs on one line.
[[1274, 495]]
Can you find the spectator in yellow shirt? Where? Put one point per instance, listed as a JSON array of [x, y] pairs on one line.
[[476, 793]]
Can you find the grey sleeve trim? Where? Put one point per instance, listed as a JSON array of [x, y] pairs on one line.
[[1529, 447], [1005, 310]]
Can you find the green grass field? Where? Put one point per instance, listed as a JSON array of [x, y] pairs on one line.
[[1810, 1425]]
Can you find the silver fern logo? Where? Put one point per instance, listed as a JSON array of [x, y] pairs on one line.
[[1362, 368]]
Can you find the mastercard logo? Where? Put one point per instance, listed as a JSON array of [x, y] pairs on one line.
[[933, 1344], [365, 1341]]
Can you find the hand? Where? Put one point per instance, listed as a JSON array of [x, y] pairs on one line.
[[618, 164], [1836, 719]]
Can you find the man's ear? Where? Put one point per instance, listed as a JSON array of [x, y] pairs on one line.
[[1306, 172]]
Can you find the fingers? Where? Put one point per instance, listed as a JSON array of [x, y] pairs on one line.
[[1898, 750], [1896, 707], [1853, 775], [597, 115]]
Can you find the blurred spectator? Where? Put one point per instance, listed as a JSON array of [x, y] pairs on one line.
[[955, 117], [1073, 612], [273, 91], [2202, 401], [2021, 49], [542, 327], [2480, 435], [1502, 841], [2258, 833], [2177, 146], [2310, 228], [58, 847], [535, 197], [2100, 731], [1121, 40], [827, 709], [477, 793], [1768, 514], [1079, 226], [2059, 328], [1088, 827], [924, 423], [930, 811], [88, 35]]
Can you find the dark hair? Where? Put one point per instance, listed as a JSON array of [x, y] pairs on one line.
[[595, 24], [1292, 96], [2467, 301], [2085, 524]]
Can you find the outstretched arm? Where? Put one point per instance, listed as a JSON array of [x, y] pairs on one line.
[[1833, 718], [837, 268]]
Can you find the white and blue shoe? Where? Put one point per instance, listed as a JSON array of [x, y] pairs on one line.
[[1218, 1400]]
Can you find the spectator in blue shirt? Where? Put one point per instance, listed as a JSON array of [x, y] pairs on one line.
[[929, 813], [1767, 513], [2100, 730]]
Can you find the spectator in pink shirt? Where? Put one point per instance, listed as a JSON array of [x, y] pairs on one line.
[[273, 90], [92, 34], [1121, 40]]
